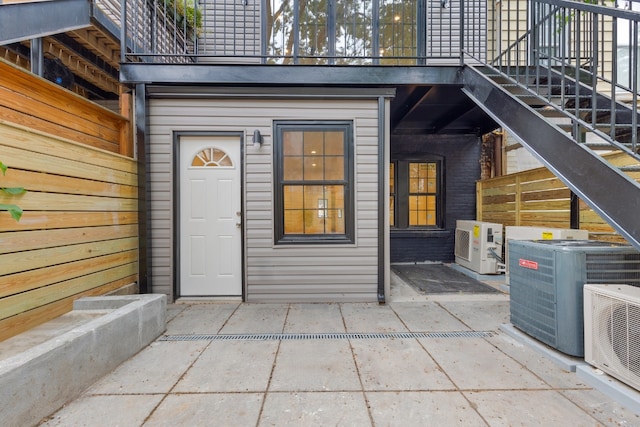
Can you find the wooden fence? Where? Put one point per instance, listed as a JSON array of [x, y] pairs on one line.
[[78, 235], [537, 198]]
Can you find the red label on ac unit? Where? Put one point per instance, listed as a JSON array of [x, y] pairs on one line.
[[528, 264]]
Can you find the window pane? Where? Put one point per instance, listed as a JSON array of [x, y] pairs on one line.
[[335, 213], [292, 168], [313, 193], [334, 143], [392, 177], [292, 143], [293, 221], [313, 168], [413, 203], [392, 208], [314, 143], [334, 169], [293, 197]]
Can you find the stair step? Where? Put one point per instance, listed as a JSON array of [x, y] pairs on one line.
[[630, 168], [599, 146]]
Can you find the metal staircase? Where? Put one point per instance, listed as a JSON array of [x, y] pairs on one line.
[[32, 19], [562, 106]]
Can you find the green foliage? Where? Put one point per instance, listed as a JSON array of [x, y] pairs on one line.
[[187, 16], [14, 210]]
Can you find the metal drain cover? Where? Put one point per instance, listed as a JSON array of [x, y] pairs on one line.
[[326, 336]]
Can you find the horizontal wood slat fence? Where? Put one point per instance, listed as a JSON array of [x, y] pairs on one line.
[[38, 104], [537, 198], [78, 235]]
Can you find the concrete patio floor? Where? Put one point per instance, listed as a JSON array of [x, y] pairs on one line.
[[447, 376]]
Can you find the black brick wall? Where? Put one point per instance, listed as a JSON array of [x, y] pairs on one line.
[[461, 154]]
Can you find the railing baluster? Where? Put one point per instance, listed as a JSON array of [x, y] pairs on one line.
[[634, 89]]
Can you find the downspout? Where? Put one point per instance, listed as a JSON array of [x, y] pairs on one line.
[[381, 202], [144, 217]]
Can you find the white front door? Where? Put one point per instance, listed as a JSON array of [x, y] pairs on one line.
[[210, 216]]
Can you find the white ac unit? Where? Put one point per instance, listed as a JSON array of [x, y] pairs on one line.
[[516, 232], [478, 246], [612, 331]]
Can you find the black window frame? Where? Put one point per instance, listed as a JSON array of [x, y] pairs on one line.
[[346, 126], [401, 195]]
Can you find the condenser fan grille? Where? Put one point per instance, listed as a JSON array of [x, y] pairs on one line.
[[613, 268], [616, 334], [463, 239]]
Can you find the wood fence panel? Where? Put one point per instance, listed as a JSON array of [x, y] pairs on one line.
[[538, 198], [36, 103], [78, 235]]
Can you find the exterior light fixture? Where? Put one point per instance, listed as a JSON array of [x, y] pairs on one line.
[[257, 138]]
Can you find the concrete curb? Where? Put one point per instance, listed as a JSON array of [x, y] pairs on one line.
[[620, 392], [565, 362], [37, 382]]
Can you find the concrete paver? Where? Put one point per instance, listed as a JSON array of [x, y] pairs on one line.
[[538, 364], [475, 364], [256, 319], [315, 409], [397, 364], [529, 408], [479, 315], [106, 411], [237, 366], [315, 366], [200, 319], [207, 409], [314, 318], [144, 374], [419, 408], [344, 381], [427, 317], [371, 318]]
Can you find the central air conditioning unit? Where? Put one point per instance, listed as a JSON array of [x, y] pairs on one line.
[[612, 331], [515, 232], [546, 281], [478, 246]]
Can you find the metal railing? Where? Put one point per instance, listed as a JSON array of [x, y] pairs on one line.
[[152, 25], [580, 56], [345, 32]]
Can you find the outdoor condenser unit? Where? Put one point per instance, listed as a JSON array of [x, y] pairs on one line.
[[515, 232], [478, 246], [546, 281], [612, 331]]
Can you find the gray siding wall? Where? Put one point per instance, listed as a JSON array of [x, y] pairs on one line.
[[230, 28], [272, 273]]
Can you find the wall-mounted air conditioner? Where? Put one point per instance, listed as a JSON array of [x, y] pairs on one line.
[[546, 281], [478, 246], [515, 232], [612, 331]]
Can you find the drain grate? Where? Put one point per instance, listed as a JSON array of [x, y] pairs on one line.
[[326, 336]]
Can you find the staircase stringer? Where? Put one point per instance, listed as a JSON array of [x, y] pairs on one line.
[[34, 19], [604, 188]]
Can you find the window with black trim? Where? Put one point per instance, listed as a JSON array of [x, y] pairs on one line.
[[313, 182], [415, 194]]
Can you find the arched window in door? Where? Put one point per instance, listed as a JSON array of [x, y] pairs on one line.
[[211, 157]]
